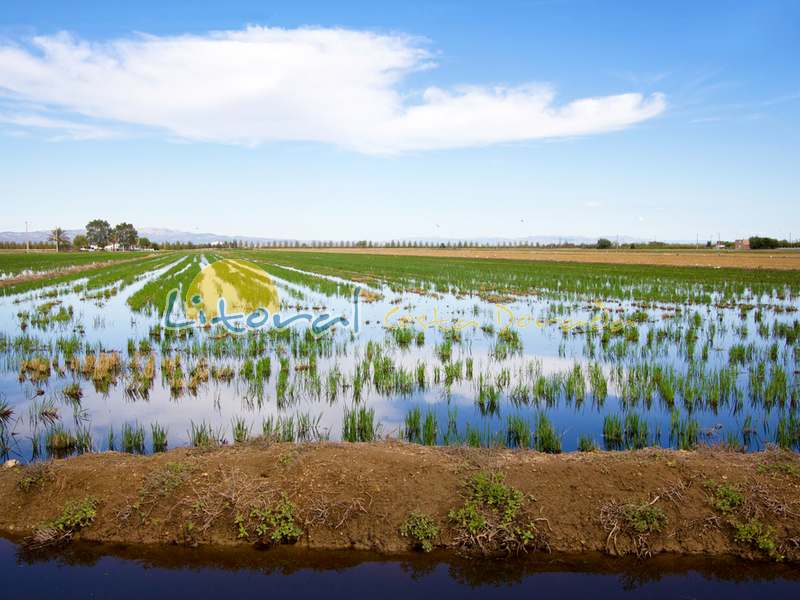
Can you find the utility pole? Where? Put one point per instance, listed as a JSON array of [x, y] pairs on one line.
[[27, 239]]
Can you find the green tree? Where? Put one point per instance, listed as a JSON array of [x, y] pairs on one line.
[[145, 243], [80, 241], [603, 243], [763, 243], [98, 232], [59, 237], [125, 235]]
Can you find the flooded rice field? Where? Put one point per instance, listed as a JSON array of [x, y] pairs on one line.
[[431, 350]]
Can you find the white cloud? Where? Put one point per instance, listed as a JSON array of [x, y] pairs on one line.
[[258, 85], [61, 129]]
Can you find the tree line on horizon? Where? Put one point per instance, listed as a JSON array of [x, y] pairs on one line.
[[100, 234]]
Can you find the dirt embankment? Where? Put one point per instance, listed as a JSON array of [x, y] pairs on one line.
[[786, 260], [361, 496]]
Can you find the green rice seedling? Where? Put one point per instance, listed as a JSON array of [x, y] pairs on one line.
[[733, 443], [488, 397], [684, 433], [421, 375], [598, 384], [110, 442], [430, 429], [545, 438], [636, 431], [586, 443], [334, 382], [280, 429], [358, 425], [444, 350], [420, 339], [787, 433], [575, 385], [202, 435], [403, 335], [473, 437], [612, 432], [83, 440], [737, 354], [451, 435], [240, 429], [520, 394], [508, 344], [308, 428], [59, 442], [158, 434], [518, 432], [453, 371], [132, 438], [412, 431]]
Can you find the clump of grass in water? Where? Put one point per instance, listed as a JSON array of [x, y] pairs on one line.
[[280, 429], [240, 429], [430, 429], [612, 432], [508, 344], [412, 430], [586, 443], [159, 437], [545, 438], [58, 441], [684, 433], [358, 425], [202, 435], [787, 433], [636, 431], [421, 529], [598, 384], [518, 432], [132, 438], [488, 397], [403, 336]]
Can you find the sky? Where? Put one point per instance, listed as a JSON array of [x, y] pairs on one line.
[[366, 120]]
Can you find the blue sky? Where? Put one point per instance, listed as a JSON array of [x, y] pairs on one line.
[[372, 120]]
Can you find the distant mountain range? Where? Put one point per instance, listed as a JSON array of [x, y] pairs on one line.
[[154, 234], [160, 235]]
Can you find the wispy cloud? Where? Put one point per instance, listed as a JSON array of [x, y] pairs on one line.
[[58, 129], [257, 85]]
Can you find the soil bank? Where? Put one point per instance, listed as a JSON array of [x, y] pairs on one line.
[[358, 496]]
